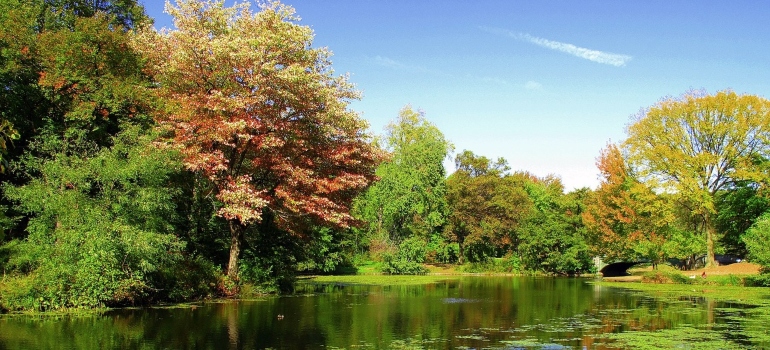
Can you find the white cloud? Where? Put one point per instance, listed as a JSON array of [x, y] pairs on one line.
[[488, 79], [533, 85], [613, 59], [397, 65], [388, 62]]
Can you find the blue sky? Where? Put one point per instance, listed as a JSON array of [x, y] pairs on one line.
[[544, 84]]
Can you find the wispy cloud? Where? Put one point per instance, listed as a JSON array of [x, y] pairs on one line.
[[389, 62], [533, 85], [613, 59], [397, 65], [487, 79]]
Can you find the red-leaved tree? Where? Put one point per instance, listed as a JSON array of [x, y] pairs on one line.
[[259, 112]]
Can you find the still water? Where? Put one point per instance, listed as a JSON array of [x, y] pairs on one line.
[[467, 312]]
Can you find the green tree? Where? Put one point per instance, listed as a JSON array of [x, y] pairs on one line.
[[697, 145], [486, 207], [259, 113], [69, 73], [99, 225], [410, 197], [756, 239], [552, 236], [738, 209], [66, 68]]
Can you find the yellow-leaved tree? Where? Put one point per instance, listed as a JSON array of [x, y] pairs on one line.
[[698, 144]]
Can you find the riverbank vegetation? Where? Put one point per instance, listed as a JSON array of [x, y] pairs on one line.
[[219, 157]]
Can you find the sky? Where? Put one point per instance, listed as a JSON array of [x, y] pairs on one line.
[[544, 84]]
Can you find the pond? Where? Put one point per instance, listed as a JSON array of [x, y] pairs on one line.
[[463, 312]]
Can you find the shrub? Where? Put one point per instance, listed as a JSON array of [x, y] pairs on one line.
[[407, 260], [756, 238], [761, 280], [193, 278], [442, 252], [659, 276]]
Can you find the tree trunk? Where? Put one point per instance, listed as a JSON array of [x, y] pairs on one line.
[[461, 258], [236, 232], [710, 261]]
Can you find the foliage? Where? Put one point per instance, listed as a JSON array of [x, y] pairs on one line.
[[667, 276], [511, 263], [624, 219], [738, 209], [486, 207], [761, 280], [698, 145], [190, 278], [270, 257], [409, 199], [99, 231], [7, 135], [326, 250], [408, 258], [66, 70], [756, 240], [552, 237], [439, 250], [68, 61], [258, 112]]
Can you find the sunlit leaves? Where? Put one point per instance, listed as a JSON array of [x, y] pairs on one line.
[[100, 223], [487, 206], [699, 144], [409, 198], [256, 109]]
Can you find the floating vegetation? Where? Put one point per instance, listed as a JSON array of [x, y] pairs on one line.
[[474, 337], [679, 338], [459, 300]]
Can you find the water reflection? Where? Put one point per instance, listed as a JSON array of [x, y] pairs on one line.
[[473, 312]]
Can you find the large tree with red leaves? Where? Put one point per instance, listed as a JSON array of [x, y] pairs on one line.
[[259, 112]]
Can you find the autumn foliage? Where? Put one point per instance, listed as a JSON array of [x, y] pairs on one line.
[[624, 219], [258, 112]]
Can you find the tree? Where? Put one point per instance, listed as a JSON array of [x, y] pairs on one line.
[[486, 207], [698, 144], [66, 68], [256, 110], [624, 219], [552, 236], [756, 239], [738, 209], [409, 199], [100, 228]]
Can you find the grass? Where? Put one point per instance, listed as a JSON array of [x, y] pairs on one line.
[[380, 280]]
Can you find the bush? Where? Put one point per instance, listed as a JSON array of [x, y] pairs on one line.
[[659, 276], [756, 238], [269, 259], [442, 252], [508, 264], [17, 293], [407, 260], [99, 230], [191, 279], [761, 280]]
